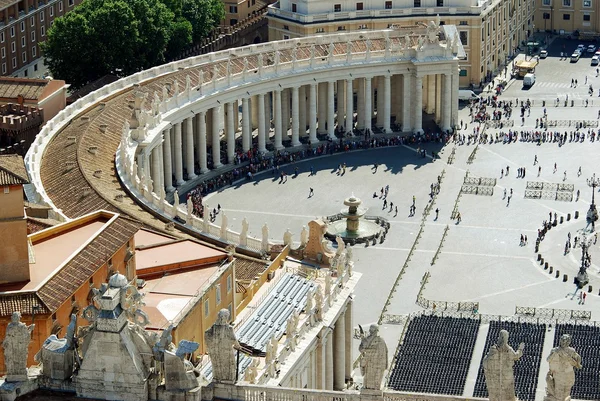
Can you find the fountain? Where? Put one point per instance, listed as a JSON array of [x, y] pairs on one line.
[[354, 226]]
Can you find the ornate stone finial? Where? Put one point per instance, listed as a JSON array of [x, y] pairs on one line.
[[220, 342], [223, 225], [561, 376], [287, 238], [56, 354], [304, 237], [244, 233], [498, 369], [265, 238], [373, 358], [16, 347]]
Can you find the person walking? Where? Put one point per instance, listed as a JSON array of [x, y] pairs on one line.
[[311, 192], [458, 217], [437, 213]]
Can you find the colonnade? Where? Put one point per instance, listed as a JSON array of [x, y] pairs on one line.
[[289, 115]]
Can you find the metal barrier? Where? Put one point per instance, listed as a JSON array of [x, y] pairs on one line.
[[439, 249], [451, 157], [572, 123], [477, 190], [482, 181], [473, 153], [561, 314], [499, 123]]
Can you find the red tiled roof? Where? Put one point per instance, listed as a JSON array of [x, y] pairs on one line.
[[12, 170]]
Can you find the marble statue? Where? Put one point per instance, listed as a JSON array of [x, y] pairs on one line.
[[420, 43], [498, 369], [200, 77], [348, 257], [303, 236], [348, 49], [245, 64], [432, 32], [188, 83], [265, 238], [57, 354], [291, 329], [341, 245], [319, 304], [287, 237], [328, 288], [277, 57], [244, 232], [175, 88], [330, 54], [165, 93], [223, 225], [260, 62], [16, 346], [149, 184], [294, 54], [220, 342], [269, 355], [340, 266], [190, 209], [406, 42], [312, 53], [176, 200], [373, 358], [180, 373], [561, 376], [251, 372], [455, 43]]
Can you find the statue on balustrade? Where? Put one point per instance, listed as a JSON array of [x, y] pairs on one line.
[[16, 346], [498, 369], [221, 343], [561, 376], [373, 358]]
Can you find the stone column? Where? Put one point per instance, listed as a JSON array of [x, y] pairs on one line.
[[349, 106], [178, 155], [341, 102], [368, 112], [322, 107], [236, 116], [406, 103], [454, 102], [430, 106], [262, 135], [295, 117], [161, 175], [379, 120], [348, 339], [330, 110], [360, 107], [230, 134], [313, 114], [268, 115], [387, 102], [302, 107], [216, 140], [446, 102], [339, 378], [189, 147], [254, 111], [246, 125], [201, 124], [277, 120], [321, 362], [167, 161], [285, 112], [155, 170], [418, 104], [329, 362]]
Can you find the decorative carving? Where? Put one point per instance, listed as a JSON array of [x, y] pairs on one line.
[[16, 345], [498, 368], [432, 32], [373, 358], [561, 376], [221, 342]]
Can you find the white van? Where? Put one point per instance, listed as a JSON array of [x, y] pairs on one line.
[[575, 57], [528, 80], [466, 95]]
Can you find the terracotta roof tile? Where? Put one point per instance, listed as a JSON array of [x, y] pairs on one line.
[[78, 270], [21, 302], [248, 269], [31, 89], [12, 170]]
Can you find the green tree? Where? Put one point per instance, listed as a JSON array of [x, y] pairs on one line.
[[204, 15], [104, 37], [181, 37]]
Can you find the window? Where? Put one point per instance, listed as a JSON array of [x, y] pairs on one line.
[[22, 26], [463, 23], [566, 17], [546, 2], [417, 3], [359, 6], [286, 27], [462, 73], [34, 54], [32, 21], [206, 307], [13, 47], [218, 294], [4, 68], [586, 17], [52, 11], [587, 3], [294, 8], [286, 37], [229, 282], [440, 3], [546, 16], [337, 8], [22, 41], [341, 28], [567, 3], [35, 68], [362, 26], [60, 6], [2, 37], [320, 30], [388, 5], [3, 52], [42, 31], [42, 16], [12, 31], [14, 62], [464, 37], [71, 3], [33, 36], [233, 9]]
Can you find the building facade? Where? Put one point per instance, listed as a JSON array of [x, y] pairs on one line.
[[567, 16], [489, 30]]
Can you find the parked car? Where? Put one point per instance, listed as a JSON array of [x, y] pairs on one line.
[[543, 54], [580, 47], [595, 60], [597, 54], [575, 57], [591, 49]]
